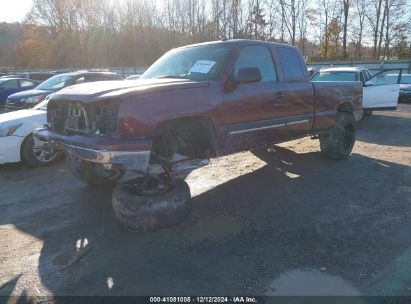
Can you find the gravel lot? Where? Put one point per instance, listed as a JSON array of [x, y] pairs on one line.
[[276, 221]]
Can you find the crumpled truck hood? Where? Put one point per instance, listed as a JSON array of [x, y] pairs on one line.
[[103, 90]]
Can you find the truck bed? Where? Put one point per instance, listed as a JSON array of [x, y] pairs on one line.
[[329, 94]]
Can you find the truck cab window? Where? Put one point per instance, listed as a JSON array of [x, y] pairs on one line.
[[257, 57], [291, 65]]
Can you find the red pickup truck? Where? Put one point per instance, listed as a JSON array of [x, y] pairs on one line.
[[196, 102]]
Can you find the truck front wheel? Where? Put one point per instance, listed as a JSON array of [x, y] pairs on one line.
[[153, 208], [339, 142], [93, 174]]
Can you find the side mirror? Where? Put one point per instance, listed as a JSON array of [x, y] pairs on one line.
[[368, 83], [247, 75]]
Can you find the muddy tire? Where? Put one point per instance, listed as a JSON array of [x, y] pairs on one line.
[[138, 212], [37, 157], [94, 175], [339, 142]]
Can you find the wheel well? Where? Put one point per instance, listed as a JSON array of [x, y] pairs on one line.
[[345, 107], [23, 143], [189, 136]]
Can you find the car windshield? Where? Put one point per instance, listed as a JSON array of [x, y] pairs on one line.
[[406, 79], [334, 76], [195, 63], [55, 83]]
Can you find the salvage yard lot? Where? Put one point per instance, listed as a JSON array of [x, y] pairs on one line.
[[262, 222]]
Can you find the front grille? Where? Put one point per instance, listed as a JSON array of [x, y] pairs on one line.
[[73, 118], [15, 104]]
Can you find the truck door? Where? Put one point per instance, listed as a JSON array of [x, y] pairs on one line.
[[253, 111], [382, 90]]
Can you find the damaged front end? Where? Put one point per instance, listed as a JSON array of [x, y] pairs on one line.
[[89, 133]]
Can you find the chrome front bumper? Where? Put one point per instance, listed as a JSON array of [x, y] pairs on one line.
[[128, 159]]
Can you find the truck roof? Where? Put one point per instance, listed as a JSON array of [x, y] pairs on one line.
[[237, 42]]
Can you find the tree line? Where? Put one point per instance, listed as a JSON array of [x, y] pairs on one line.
[[103, 33]]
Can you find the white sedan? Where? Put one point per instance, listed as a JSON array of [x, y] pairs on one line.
[[16, 138]]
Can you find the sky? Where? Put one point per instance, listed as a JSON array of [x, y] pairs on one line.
[[14, 10]]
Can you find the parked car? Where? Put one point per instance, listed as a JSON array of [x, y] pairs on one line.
[[10, 76], [9, 86], [405, 88], [380, 91], [197, 102], [16, 138], [133, 77], [39, 76], [30, 98]]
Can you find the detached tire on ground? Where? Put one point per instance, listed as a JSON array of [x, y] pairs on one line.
[[339, 142], [93, 174], [138, 212]]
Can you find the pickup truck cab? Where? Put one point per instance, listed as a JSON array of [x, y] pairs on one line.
[[380, 91], [197, 101]]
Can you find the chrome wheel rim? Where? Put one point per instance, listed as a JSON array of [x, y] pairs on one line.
[[43, 155]]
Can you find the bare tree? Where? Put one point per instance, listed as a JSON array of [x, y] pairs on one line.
[[256, 20], [136, 32], [360, 14]]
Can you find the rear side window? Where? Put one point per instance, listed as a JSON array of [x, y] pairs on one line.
[[113, 77], [91, 78], [100, 77], [291, 65], [257, 57], [26, 83], [11, 84]]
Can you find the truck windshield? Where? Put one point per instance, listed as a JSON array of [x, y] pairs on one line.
[[334, 76], [195, 63]]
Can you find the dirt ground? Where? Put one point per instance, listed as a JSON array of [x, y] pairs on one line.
[[278, 221]]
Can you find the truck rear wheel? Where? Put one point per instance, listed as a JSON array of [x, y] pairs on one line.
[[339, 142], [139, 211], [93, 174]]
